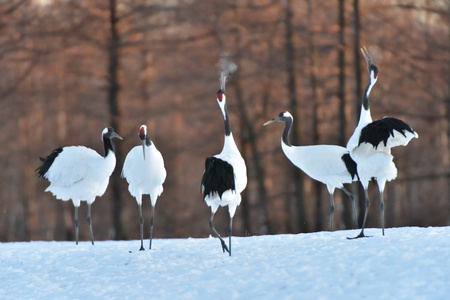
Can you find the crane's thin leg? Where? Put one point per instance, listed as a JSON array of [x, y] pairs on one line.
[[352, 199], [229, 235], [366, 193], [90, 223], [141, 227], [224, 246], [151, 226], [382, 211], [76, 224], [331, 211], [361, 234]]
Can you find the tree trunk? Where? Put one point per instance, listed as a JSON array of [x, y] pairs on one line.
[[448, 151], [297, 199], [341, 66], [357, 190], [316, 96], [252, 139], [114, 110], [342, 139]]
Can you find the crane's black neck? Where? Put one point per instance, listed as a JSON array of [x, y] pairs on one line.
[[108, 145], [148, 142], [287, 129], [365, 101], [373, 73], [226, 122]]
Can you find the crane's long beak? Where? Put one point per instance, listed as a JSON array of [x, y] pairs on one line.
[[268, 122], [143, 147], [366, 56], [115, 135]]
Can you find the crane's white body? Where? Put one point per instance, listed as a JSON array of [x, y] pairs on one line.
[[321, 162], [324, 163], [144, 176], [80, 174], [371, 163], [231, 198]]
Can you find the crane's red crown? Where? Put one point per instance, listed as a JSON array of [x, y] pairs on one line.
[[220, 94], [142, 132]]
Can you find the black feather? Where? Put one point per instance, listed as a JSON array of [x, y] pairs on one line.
[[218, 177], [381, 130], [48, 161], [351, 165]]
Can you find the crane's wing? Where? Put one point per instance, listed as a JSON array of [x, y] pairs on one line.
[[391, 132], [351, 166], [132, 162], [47, 162], [218, 177], [71, 165]]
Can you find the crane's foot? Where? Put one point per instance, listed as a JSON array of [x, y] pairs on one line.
[[361, 235], [142, 248], [224, 247]]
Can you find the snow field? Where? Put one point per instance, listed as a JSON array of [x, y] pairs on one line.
[[407, 263]]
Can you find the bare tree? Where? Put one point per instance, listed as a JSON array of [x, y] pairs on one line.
[[297, 197]]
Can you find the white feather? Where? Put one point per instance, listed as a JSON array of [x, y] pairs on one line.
[[80, 173], [399, 139], [372, 163], [320, 162], [144, 176]]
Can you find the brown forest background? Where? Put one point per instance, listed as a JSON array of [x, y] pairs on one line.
[[70, 68]]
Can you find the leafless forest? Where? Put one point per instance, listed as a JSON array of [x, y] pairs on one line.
[[69, 68]]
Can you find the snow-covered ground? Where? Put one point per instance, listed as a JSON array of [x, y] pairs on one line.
[[407, 263]]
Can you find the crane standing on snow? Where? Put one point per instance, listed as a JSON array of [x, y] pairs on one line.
[[80, 174], [225, 175], [371, 143], [328, 164], [145, 173]]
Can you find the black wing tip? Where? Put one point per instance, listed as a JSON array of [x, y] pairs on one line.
[[47, 162], [218, 177], [351, 166], [381, 130]]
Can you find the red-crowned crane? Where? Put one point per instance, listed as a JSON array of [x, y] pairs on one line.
[[80, 174], [329, 164], [225, 175], [145, 173], [371, 143]]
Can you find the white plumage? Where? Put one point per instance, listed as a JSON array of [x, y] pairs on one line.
[[225, 176], [328, 164], [80, 174], [145, 173], [371, 143], [72, 180]]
